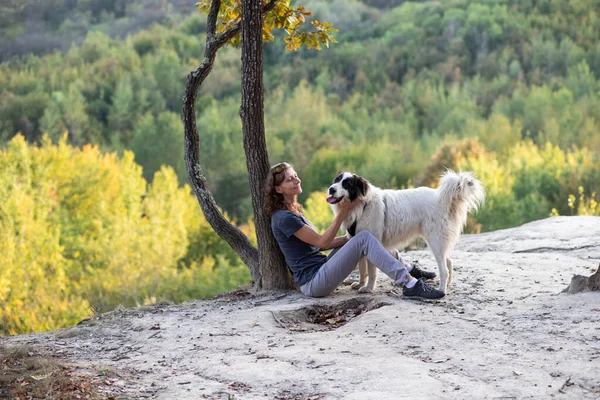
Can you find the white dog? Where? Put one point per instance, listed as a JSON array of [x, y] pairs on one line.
[[397, 217]]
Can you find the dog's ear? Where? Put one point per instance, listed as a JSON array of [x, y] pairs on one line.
[[363, 186], [338, 177]]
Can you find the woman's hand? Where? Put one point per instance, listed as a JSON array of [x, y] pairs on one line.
[[345, 207]]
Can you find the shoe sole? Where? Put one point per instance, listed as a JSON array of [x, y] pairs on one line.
[[421, 298]]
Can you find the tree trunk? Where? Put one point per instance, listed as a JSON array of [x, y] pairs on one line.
[[227, 231], [269, 257], [273, 270]]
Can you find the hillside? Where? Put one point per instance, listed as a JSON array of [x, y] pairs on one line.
[[505, 330], [37, 28], [404, 79]]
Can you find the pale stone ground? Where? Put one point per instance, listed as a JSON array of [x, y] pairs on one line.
[[504, 331]]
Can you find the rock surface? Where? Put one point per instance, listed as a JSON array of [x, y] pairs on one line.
[[504, 330]]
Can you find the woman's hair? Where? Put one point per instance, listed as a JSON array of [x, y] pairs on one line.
[[274, 201]]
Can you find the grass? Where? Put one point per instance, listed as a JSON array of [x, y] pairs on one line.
[[27, 373]]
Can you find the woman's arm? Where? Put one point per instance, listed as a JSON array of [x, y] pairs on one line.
[[325, 241], [338, 242]]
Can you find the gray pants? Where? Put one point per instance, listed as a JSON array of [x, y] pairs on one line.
[[341, 263]]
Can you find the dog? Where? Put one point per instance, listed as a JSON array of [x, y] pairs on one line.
[[397, 217]]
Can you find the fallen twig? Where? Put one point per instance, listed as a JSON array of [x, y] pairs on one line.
[[224, 334], [524, 297], [549, 249], [588, 389], [281, 296], [154, 334], [281, 325], [471, 320], [567, 383]]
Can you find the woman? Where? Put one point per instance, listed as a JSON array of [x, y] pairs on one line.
[[316, 274]]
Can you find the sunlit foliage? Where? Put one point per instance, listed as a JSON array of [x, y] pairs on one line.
[[533, 182], [81, 232]]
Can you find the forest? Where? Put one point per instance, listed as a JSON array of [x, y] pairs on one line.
[[95, 212]]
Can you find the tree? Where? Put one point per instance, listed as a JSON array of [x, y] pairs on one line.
[[226, 20]]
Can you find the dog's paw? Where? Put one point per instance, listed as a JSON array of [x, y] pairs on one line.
[[365, 289]]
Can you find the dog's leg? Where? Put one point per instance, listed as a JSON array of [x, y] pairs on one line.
[[371, 282], [396, 254], [449, 265], [362, 271], [437, 248]]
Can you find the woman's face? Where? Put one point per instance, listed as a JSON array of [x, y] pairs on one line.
[[290, 186]]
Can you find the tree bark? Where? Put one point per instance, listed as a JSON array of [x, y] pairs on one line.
[[273, 270]]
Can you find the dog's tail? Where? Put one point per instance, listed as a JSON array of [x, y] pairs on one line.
[[460, 193]]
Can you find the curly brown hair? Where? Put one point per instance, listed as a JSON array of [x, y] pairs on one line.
[[274, 201]]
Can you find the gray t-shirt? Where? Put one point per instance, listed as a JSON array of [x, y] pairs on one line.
[[303, 259]]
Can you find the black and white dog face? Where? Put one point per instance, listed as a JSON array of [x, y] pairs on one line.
[[347, 186]]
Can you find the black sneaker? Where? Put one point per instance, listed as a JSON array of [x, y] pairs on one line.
[[423, 291], [418, 273]]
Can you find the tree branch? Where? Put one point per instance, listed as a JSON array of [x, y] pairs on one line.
[[269, 6], [224, 37], [211, 21]]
